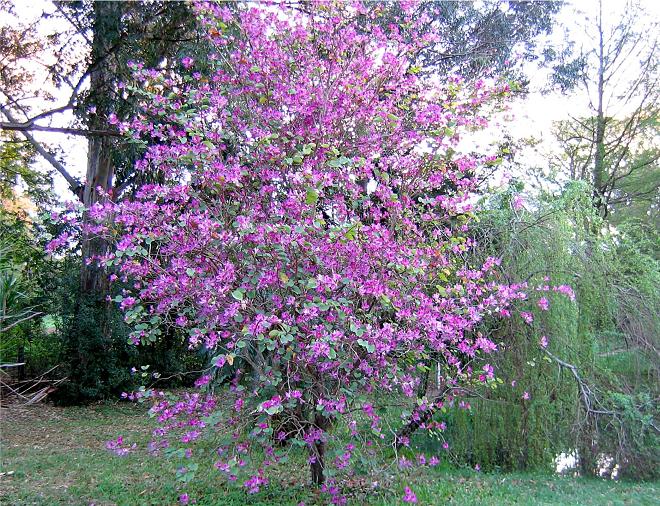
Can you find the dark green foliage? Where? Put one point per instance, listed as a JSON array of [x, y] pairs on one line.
[[34, 344], [482, 37], [25, 271], [15, 158], [100, 361], [98, 364], [634, 425]]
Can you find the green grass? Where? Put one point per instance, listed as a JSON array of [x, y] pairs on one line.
[[57, 456]]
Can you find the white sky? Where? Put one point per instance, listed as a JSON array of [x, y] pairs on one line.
[[530, 117]]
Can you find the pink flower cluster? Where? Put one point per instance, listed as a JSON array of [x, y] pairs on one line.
[[117, 446]]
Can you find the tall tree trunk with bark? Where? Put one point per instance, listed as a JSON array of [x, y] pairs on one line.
[[100, 169], [87, 346], [112, 32], [599, 175]]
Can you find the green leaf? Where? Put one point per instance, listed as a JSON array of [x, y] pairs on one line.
[[338, 162], [273, 410], [367, 345], [238, 293], [312, 196]]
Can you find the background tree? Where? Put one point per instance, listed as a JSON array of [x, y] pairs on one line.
[[593, 383], [592, 376], [476, 39], [86, 48], [26, 273], [614, 148]]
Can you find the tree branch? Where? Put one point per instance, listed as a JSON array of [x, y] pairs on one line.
[[29, 125], [21, 320], [74, 183]]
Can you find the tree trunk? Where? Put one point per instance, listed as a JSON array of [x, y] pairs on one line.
[[100, 170], [599, 175], [93, 281], [317, 452], [317, 464], [408, 430], [84, 348]]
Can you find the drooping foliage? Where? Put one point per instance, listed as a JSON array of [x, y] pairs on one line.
[[310, 232], [609, 335]]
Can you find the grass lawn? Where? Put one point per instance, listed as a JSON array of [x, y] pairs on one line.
[[57, 456]]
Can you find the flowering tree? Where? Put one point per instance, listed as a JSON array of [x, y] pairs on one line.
[[309, 230]]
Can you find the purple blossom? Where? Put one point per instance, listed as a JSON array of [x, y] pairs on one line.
[[409, 496], [528, 317], [118, 448], [518, 203], [127, 302]]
